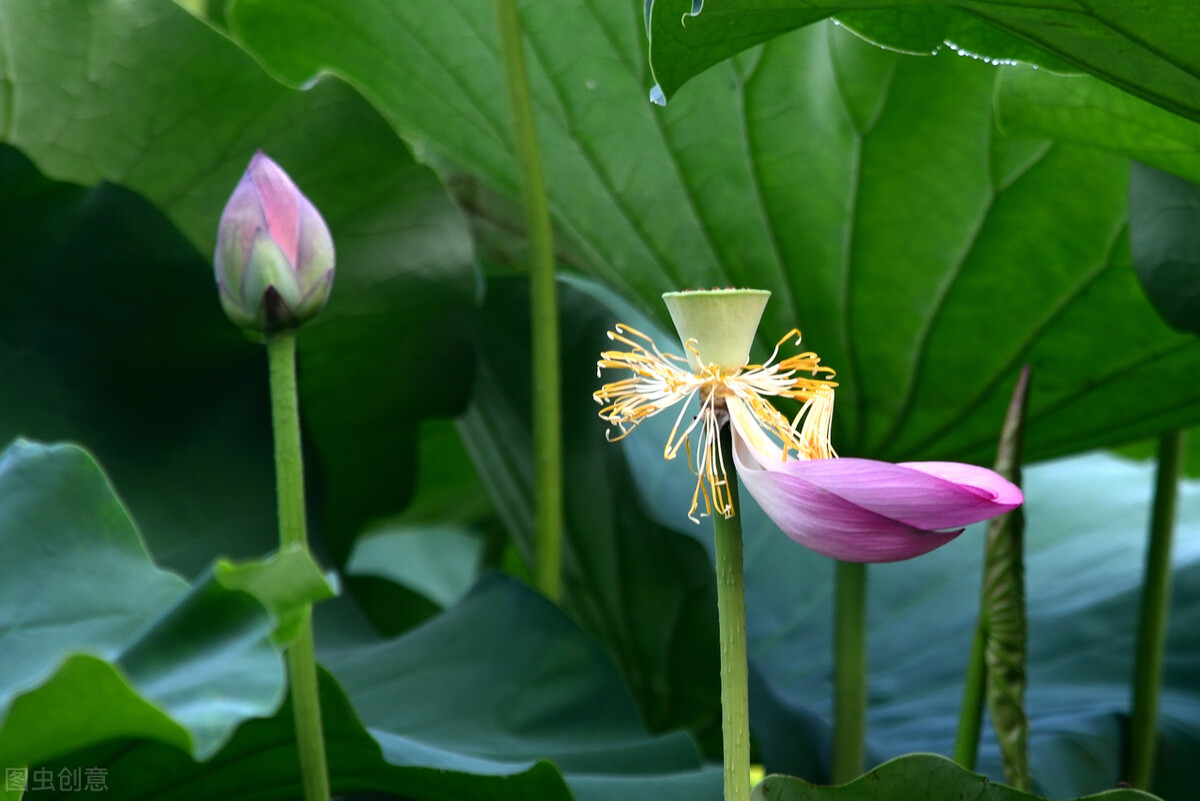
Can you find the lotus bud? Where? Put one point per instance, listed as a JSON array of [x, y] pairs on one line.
[[274, 258]]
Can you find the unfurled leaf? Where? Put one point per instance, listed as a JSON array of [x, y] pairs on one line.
[[916, 777], [499, 699], [1149, 51], [102, 644]]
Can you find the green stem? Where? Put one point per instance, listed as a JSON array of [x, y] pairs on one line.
[[285, 420], [1152, 627], [849, 672], [970, 720], [547, 426], [731, 620], [289, 486]]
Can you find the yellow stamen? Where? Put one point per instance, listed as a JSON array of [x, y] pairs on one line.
[[659, 382], [818, 421]]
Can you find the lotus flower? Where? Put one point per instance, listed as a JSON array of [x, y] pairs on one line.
[[274, 259], [856, 510]]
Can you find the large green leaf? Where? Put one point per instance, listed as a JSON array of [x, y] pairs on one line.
[[644, 591], [116, 666], [917, 777], [1164, 229], [1038, 104], [1085, 533], [100, 643], [1085, 524], [136, 360], [520, 667], [116, 330], [1147, 50], [499, 699], [408, 567], [1164, 232], [925, 257], [439, 562]]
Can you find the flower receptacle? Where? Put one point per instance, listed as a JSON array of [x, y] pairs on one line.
[[720, 324]]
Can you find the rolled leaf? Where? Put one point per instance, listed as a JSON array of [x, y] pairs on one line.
[[1003, 607]]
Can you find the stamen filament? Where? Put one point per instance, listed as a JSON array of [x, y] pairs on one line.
[[661, 381]]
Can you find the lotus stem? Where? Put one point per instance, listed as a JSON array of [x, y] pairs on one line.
[[1152, 626], [731, 621], [849, 672], [289, 483], [970, 720], [547, 424]]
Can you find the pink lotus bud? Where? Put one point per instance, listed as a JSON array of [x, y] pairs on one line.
[[274, 259]]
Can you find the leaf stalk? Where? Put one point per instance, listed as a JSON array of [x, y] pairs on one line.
[[547, 422], [1155, 606], [289, 486]]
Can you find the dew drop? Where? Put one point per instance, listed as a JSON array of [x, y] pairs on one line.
[[657, 97]]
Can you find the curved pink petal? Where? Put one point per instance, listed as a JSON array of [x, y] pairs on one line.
[[280, 204], [826, 522], [1005, 493], [926, 495]]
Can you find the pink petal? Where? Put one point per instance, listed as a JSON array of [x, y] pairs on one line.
[[1005, 493], [280, 204], [927, 495], [826, 522], [314, 256]]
